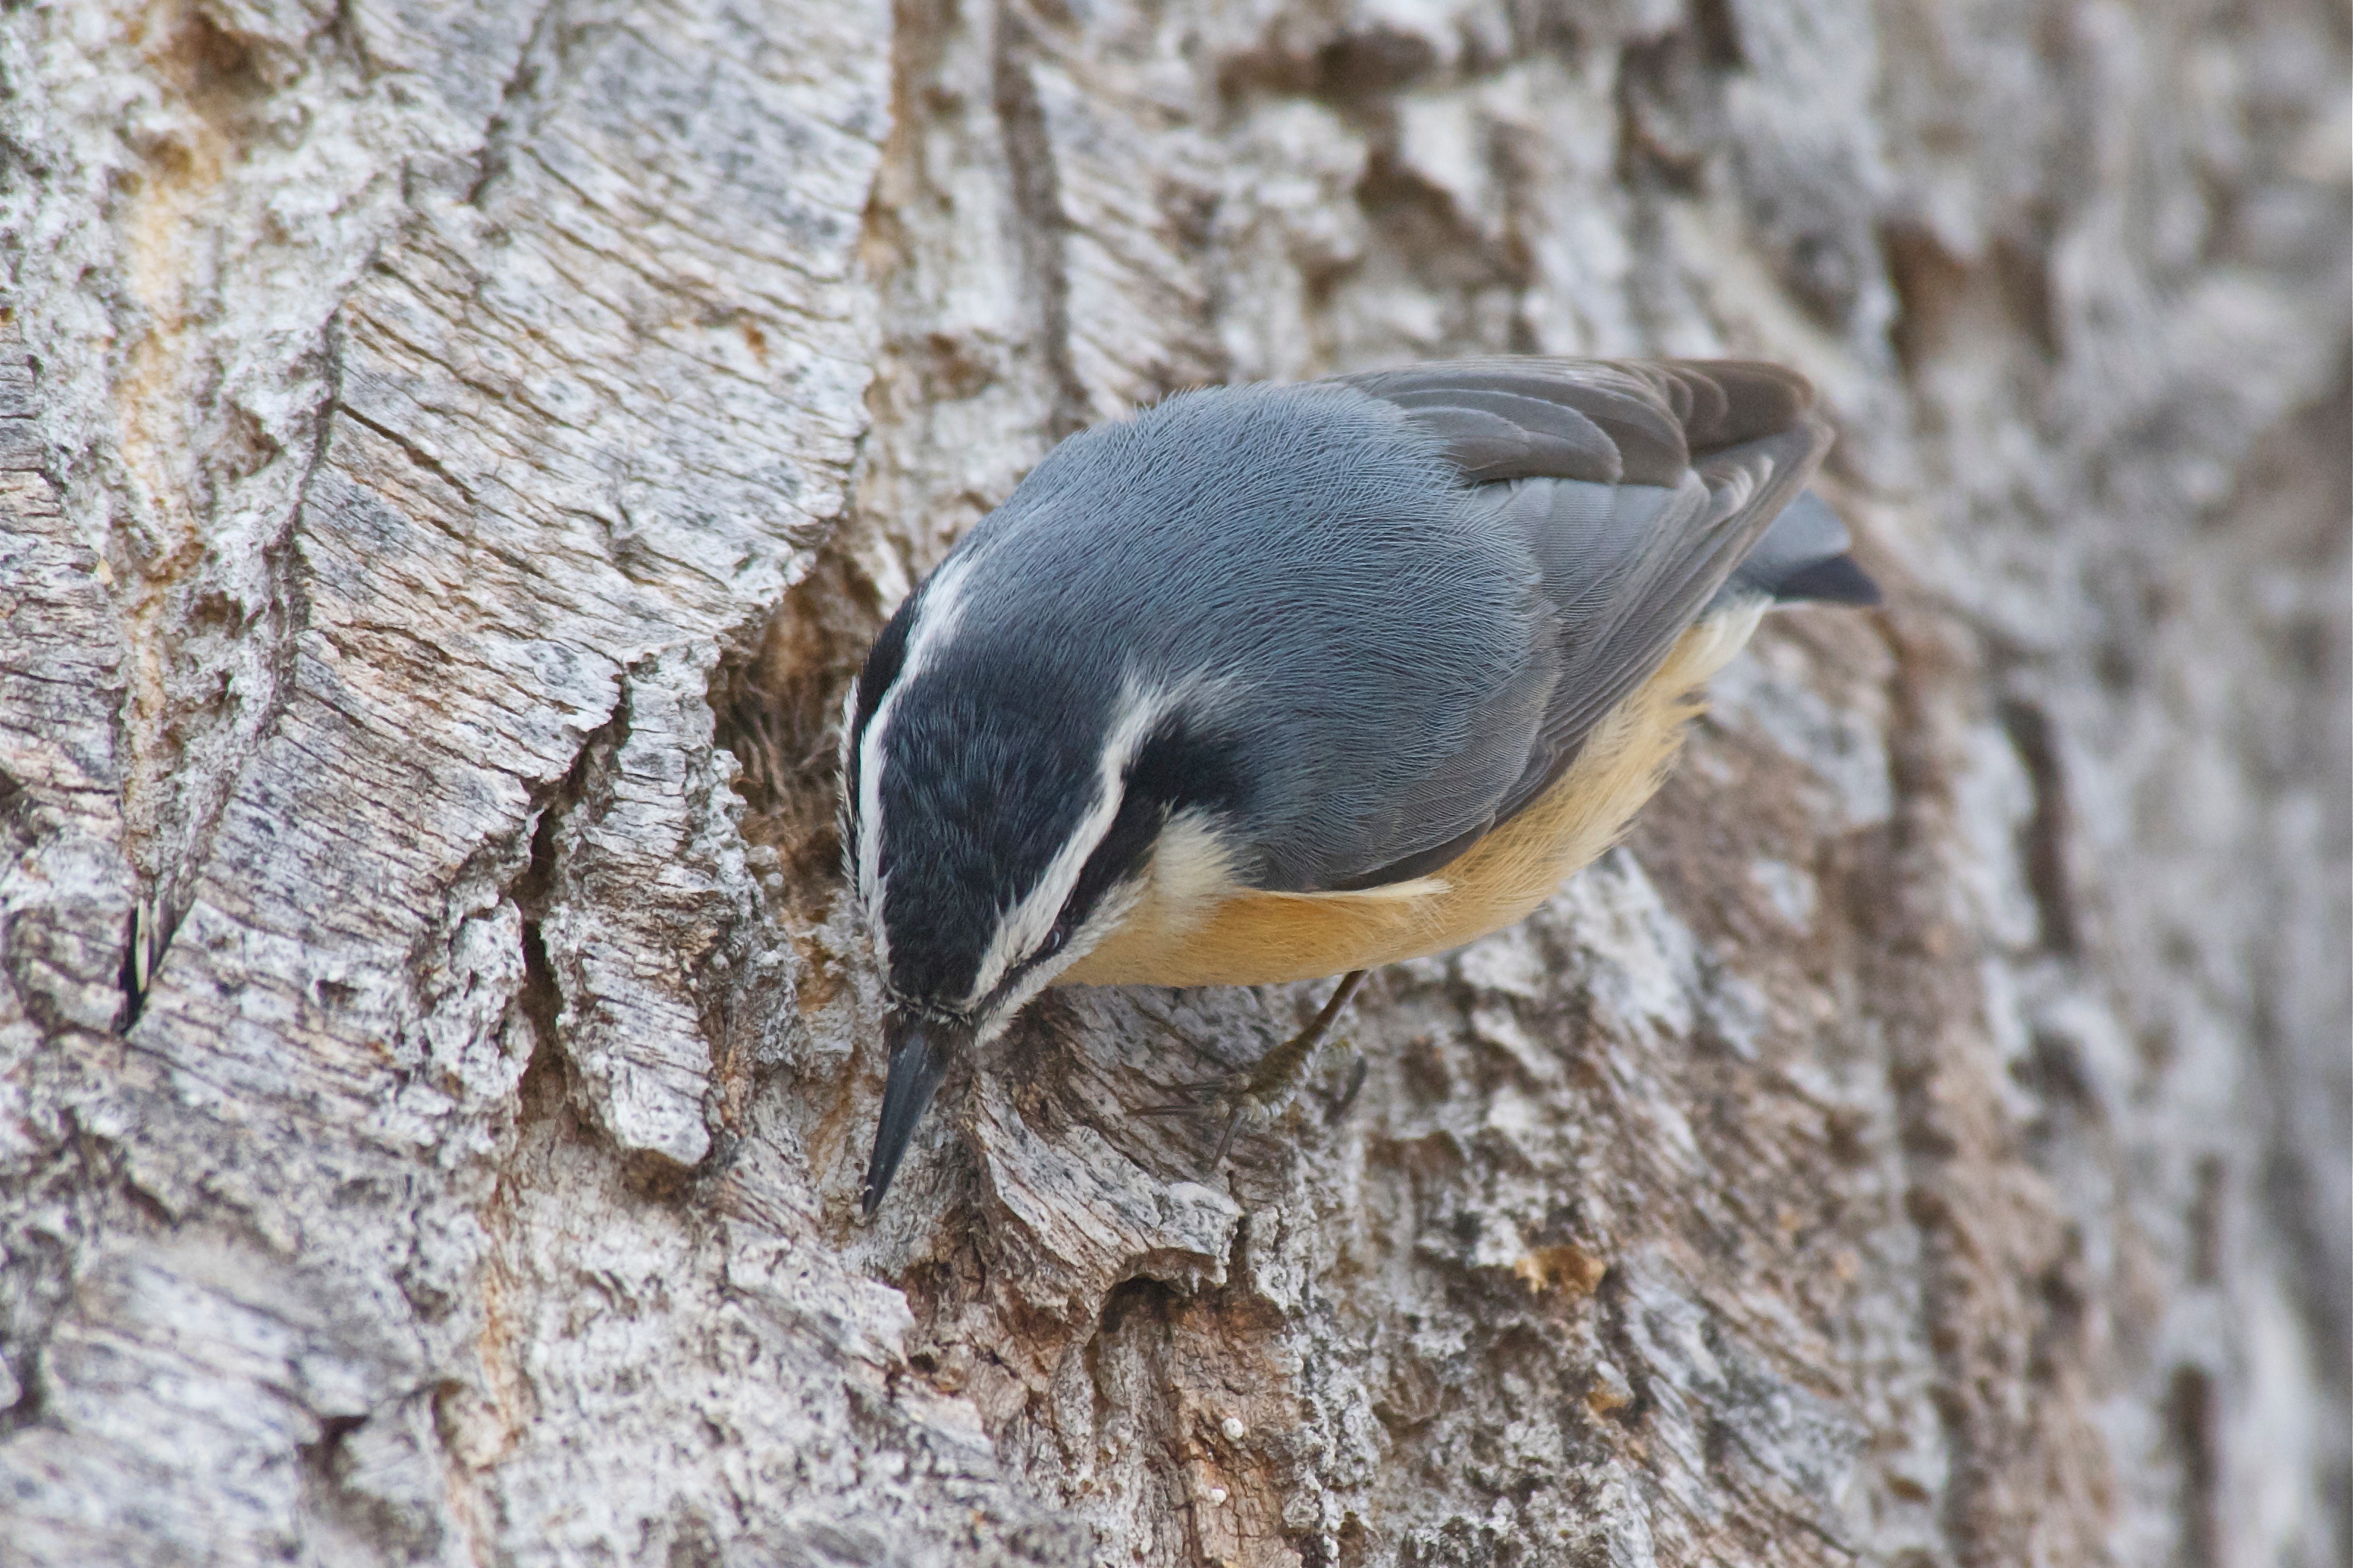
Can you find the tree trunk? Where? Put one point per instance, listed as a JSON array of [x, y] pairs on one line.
[[452, 456]]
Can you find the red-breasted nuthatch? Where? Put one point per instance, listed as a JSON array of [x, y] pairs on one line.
[[1272, 682]]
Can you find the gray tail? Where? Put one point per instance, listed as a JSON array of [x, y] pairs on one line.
[[1801, 559]]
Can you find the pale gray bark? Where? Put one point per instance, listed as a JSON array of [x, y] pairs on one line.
[[451, 456]]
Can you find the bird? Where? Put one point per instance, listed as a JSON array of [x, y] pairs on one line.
[[1272, 682]]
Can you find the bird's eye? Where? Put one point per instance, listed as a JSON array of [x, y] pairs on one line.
[[1054, 941]]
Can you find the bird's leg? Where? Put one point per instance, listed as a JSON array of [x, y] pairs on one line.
[[1268, 1081]]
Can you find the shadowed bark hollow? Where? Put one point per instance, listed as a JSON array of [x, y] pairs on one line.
[[451, 460]]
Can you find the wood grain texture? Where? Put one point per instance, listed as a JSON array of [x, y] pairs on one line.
[[451, 456]]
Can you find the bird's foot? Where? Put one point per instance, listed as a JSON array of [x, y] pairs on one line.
[[1261, 1089]]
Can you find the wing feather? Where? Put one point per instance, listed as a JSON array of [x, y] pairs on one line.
[[1638, 488]]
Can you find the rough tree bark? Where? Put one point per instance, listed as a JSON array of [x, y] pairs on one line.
[[451, 455]]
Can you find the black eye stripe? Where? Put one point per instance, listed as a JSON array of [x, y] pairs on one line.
[[1177, 768], [1054, 942]]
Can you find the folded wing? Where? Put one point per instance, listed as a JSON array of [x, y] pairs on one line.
[[1639, 490]]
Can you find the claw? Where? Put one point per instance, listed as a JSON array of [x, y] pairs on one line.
[[1263, 1082], [1182, 1107], [1349, 1095], [1233, 1093], [1225, 1141], [1205, 1094]]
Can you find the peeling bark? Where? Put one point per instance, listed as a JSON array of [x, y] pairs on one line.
[[451, 458]]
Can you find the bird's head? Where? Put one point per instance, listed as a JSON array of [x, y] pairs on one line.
[[1004, 797]]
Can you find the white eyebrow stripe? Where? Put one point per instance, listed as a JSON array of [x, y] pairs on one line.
[[846, 813], [1020, 929], [936, 616], [1115, 907]]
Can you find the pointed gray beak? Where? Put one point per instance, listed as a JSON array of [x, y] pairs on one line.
[[920, 1054]]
